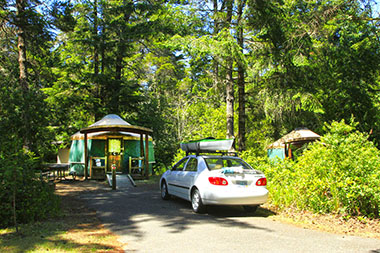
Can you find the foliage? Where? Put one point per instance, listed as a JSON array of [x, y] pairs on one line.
[[338, 174], [34, 199], [164, 135], [19, 183], [166, 65], [342, 171], [178, 156], [24, 132], [307, 63]]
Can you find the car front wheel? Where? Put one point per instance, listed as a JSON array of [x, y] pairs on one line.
[[164, 191], [196, 202]]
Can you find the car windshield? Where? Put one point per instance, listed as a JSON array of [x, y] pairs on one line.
[[218, 163]]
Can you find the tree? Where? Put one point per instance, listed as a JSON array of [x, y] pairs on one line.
[[22, 114], [296, 49], [241, 69], [21, 22]]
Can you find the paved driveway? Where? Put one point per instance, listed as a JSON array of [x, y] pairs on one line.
[[148, 224]]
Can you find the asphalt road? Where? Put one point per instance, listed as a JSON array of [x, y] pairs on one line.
[[148, 224]]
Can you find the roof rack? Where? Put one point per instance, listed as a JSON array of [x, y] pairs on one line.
[[223, 153]]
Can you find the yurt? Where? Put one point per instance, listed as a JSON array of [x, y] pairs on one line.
[[283, 147], [111, 143]]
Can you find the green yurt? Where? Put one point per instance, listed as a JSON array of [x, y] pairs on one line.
[[111, 142], [286, 145]]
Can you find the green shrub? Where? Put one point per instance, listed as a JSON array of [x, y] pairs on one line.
[[341, 173], [338, 174], [35, 199]]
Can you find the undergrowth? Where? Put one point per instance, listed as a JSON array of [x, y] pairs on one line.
[[340, 174]]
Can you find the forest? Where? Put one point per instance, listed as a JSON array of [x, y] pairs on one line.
[[188, 69]]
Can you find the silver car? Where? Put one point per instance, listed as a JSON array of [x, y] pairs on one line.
[[215, 180]]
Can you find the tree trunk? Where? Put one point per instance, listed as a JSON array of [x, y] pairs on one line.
[[215, 33], [230, 104], [121, 47], [95, 37], [21, 21], [14, 188], [119, 60], [241, 79], [102, 50], [242, 116], [229, 79], [20, 5]]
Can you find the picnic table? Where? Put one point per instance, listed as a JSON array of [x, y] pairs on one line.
[[56, 170]]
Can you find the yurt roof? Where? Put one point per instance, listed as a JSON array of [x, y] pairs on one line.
[[299, 134], [114, 123], [111, 120], [105, 134]]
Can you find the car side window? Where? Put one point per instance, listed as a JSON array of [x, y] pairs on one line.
[[234, 163], [215, 163], [192, 165], [180, 165]]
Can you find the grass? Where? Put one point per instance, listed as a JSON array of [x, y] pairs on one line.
[[56, 237], [75, 229]]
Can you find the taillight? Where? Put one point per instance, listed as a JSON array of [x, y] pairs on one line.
[[261, 182], [217, 181]]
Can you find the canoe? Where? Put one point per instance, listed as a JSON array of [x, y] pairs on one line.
[[207, 145]]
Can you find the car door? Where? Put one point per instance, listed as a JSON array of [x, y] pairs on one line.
[[187, 177], [172, 177]]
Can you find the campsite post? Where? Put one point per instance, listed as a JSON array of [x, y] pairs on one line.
[[113, 176]]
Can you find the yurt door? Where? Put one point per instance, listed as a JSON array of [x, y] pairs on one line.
[[115, 148]]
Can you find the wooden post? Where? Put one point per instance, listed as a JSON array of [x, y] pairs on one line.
[[85, 156], [142, 155], [285, 150], [141, 145], [113, 176], [146, 155], [130, 165]]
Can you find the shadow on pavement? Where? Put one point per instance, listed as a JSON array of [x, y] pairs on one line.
[[124, 210]]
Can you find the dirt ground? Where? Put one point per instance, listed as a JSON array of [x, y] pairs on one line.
[[88, 227], [356, 226]]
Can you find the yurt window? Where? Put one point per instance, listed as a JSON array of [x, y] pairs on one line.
[[114, 145]]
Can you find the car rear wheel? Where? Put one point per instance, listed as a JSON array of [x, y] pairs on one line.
[[250, 209], [164, 191], [196, 202]]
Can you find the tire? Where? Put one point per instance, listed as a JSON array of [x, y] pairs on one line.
[[164, 191], [250, 209], [196, 202]]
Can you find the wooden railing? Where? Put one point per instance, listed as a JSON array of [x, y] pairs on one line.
[[136, 167], [97, 168]]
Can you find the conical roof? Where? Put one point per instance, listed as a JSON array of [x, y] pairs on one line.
[[114, 123], [299, 134], [111, 120]]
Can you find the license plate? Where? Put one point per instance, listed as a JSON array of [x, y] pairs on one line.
[[240, 182]]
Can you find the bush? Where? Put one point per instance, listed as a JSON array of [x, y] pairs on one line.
[[338, 174], [35, 199], [341, 173]]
